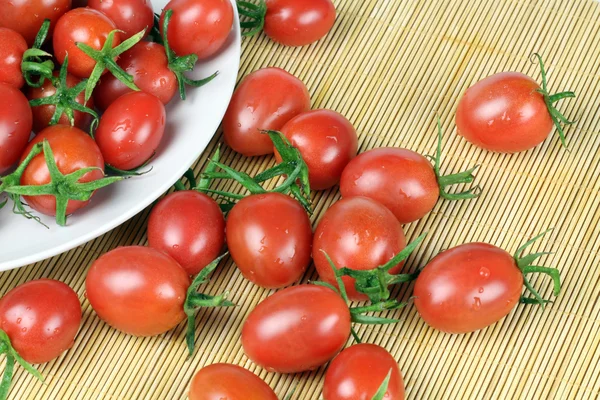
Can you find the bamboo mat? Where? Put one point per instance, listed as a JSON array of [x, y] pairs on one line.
[[390, 66]]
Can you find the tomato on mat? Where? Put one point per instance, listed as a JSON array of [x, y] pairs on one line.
[[228, 381], [26, 17], [298, 22], [129, 16], [15, 125], [12, 47]]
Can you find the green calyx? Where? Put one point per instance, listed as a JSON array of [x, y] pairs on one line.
[[254, 14], [380, 394], [37, 65], [64, 100], [550, 99], [180, 65], [195, 300], [11, 355], [525, 264]]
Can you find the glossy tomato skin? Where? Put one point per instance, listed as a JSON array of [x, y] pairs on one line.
[[41, 318], [327, 142], [15, 125], [147, 63], [84, 25], [296, 329], [27, 17], [504, 113], [400, 179], [190, 227], [228, 381], [467, 288], [73, 150], [269, 238], [358, 233], [298, 22], [198, 27], [266, 99], [42, 115], [138, 290], [12, 47], [358, 372], [130, 16]]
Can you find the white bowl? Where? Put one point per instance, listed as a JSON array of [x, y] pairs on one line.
[[190, 126]]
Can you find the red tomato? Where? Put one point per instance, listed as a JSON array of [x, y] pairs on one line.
[[82, 25], [130, 16], [298, 22], [190, 227], [43, 114], [358, 233], [41, 318], [130, 130], [269, 238], [504, 113], [327, 142], [12, 47], [358, 372], [73, 150], [266, 99], [147, 63], [400, 179], [15, 125], [198, 27], [138, 290], [27, 17], [468, 287], [227, 381], [296, 329]]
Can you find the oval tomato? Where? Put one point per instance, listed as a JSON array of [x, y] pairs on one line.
[[400, 179], [130, 130], [15, 125], [298, 22], [266, 99], [12, 47], [198, 27], [296, 329], [504, 113], [468, 287], [73, 150], [41, 318], [357, 233], [27, 17], [190, 227], [130, 16], [269, 238], [137, 290], [358, 372], [327, 142], [227, 381], [82, 25]]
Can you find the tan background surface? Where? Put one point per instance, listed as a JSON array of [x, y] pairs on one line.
[[389, 66]]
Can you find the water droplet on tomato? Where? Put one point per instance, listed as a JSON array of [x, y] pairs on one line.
[[480, 290], [19, 320], [303, 318], [23, 330], [484, 272], [477, 304]]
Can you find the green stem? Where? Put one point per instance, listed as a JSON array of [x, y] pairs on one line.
[[11, 355], [380, 394], [255, 16], [37, 65]]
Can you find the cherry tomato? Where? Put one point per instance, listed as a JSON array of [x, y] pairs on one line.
[[73, 150], [82, 25], [269, 238], [298, 22], [504, 113], [266, 99], [190, 227], [138, 290], [15, 125], [147, 63], [400, 179], [327, 142], [43, 114], [198, 27], [130, 16], [227, 381], [41, 318], [468, 287], [358, 233], [358, 372], [27, 17], [296, 329], [12, 47]]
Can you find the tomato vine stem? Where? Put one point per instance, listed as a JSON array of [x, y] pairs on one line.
[[255, 16], [12, 355], [380, 394], [36, 62]]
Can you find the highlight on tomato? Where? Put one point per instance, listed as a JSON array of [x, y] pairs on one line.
[[27, 17], [474, 285], [12, 48], [15, 125], [228, 381]]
